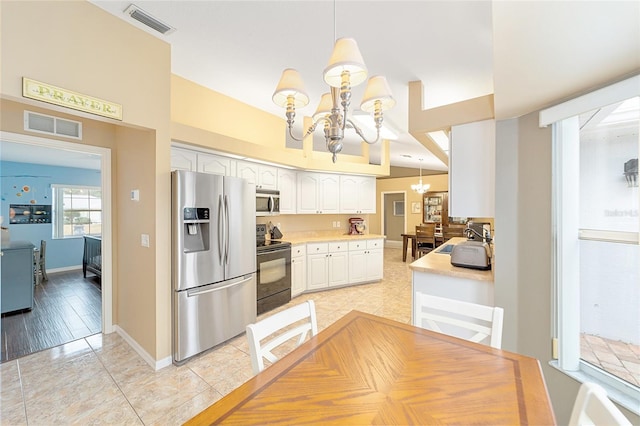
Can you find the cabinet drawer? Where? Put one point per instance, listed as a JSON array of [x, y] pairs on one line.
[[357, 245], [315, 248], [374, 244], [298, 250], [338, 246]]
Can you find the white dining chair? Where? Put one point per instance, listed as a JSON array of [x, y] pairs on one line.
[[459, 319], [280, 328], [593, 407]]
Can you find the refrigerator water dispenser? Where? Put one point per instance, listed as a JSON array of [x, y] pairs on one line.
[[196, 235]]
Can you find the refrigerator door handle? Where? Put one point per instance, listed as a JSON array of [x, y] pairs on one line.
[[220, 228], [226, 211], [211, 290]]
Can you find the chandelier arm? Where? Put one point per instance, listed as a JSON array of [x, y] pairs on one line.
[[359, 132], [309, 131]]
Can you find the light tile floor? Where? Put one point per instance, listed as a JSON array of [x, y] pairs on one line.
[[100, 379]]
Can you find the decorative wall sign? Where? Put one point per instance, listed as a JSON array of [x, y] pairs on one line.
[[55, 95], [415, 207]]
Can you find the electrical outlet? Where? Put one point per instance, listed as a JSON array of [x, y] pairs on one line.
[[338, 224], [144, 240], [334, 224]]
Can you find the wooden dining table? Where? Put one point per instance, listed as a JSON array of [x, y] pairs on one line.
[[364, 369]]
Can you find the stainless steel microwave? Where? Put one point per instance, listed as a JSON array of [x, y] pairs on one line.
[[267, 202]]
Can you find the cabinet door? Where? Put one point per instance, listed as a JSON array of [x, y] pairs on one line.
[[248, 171], [374, 269], [287, 187], [267, 177], [348, 194], [366, 194], [298, 275], [307, 197], [338, 268], [329, 194], [357, 194], [472, 170], [357, 266], [183, 159], [216, 165], [317, 271]]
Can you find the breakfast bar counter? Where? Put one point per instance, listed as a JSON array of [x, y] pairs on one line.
[[437, 262], [435, 275]]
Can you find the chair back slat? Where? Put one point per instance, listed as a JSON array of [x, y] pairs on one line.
[[278, 329], [470, 321]]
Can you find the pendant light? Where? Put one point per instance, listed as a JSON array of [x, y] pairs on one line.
[[420, 188]]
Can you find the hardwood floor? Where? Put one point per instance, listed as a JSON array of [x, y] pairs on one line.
[[67, 307]]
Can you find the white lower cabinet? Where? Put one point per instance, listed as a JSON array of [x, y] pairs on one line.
[[298, 269], [340, 263], [317, 266], [365, 261]]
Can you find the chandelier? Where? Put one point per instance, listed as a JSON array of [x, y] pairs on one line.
[[420, 188], [346, 69]]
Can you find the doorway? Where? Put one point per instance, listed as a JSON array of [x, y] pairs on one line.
[[394, 217], [33, 143]]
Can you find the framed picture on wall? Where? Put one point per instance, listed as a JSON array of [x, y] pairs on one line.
[[415, 207], [398, 208]]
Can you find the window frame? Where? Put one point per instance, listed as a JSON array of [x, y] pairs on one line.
[[565, 237], [57, 189]]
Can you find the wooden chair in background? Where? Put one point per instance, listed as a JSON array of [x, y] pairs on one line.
[[425, 238], [452, 231]]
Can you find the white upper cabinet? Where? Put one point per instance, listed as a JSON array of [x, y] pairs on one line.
[[357, 194], [318, 193], [264, 177], [216, 165], [183, 159], [472, 170], [287, 187]]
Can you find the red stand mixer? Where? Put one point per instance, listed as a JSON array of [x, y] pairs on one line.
[[356, 226]]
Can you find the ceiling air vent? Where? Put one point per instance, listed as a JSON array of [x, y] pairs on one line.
[[52, 125], [144, 18]]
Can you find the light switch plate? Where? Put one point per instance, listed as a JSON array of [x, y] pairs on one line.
[[144, 240], [135, 195]]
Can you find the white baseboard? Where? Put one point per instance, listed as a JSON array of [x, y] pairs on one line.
[[156, 365], [64, 269]]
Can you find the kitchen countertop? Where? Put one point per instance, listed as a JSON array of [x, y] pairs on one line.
[[440, 263], [318, 237]]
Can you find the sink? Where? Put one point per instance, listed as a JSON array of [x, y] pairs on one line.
[[446, 249]]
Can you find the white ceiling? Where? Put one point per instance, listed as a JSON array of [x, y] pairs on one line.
[[529, 54], [22, 153]]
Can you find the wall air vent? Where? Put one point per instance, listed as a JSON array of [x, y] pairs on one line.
[[41, 123], [144, 18]]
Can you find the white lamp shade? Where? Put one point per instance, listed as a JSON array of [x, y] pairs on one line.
[[377, 89], [345, 57], [324, 107], [290, 84]]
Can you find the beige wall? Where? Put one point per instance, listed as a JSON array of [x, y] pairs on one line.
[[303, 223], [437, 182], [77, 46], [209, 119]]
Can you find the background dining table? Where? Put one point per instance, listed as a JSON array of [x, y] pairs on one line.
[[364, 369]]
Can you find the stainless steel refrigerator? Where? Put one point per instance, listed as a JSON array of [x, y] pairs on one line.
[[214, 260]]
